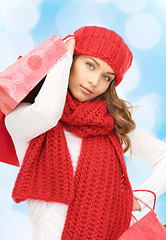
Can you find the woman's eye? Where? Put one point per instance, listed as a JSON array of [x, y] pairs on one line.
[[106, 77], [90, 65]]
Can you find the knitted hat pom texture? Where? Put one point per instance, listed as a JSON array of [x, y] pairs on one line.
[[106, 45]]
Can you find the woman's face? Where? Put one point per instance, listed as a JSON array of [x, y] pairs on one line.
[[89, 77]]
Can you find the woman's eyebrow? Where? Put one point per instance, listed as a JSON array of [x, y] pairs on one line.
[[94, 61], [111, 73]]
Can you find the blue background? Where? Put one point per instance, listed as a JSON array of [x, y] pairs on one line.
[[24, 24]]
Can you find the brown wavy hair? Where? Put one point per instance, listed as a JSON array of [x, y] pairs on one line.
[[121, 111]]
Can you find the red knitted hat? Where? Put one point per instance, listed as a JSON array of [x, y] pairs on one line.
[[106, 45]]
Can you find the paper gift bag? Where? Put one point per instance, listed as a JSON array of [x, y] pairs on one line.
[[20, 78], [147, 228], [7, 150]]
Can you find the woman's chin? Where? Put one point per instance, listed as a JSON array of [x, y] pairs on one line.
[[77, 95]]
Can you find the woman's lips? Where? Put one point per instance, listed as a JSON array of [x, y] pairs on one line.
[[86, 90]]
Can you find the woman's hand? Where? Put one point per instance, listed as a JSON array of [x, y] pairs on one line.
[[70, 45], [136, 206]]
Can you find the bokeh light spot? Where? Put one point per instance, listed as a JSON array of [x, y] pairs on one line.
[[20, 15], [129, 6], [130, 80], [143, 30]]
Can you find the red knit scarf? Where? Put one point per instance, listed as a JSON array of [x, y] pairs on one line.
[[99, 196]]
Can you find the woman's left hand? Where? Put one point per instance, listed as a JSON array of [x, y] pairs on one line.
[[70, 45], [136, 206]]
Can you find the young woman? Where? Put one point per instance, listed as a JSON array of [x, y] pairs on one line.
[[70, 143]]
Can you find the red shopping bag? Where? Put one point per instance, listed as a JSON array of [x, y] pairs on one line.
[[147, 228], [20, 78], [7, 150]]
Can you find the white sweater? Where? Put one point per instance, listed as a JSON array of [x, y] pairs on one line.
[[30, 120]]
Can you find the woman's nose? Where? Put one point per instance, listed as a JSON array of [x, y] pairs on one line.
[[94, 80]]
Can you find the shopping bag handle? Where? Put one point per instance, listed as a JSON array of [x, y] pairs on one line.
[[143, 190]]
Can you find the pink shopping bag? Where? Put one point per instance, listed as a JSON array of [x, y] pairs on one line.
[[147, 228], [20, 78]]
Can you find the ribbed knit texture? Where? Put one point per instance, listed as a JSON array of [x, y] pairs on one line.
[[99, 196], [106, 45]]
